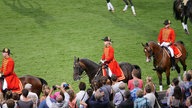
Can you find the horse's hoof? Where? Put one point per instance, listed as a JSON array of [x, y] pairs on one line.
[[186, 31]]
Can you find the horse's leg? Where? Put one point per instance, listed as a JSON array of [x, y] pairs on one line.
[[168, 76], [182, 61], [109, 6], [186, 27], [126, 5], [159, 74], [132, 7], [178, 71]]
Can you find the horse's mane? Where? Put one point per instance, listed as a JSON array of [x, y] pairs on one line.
[[88, 62]]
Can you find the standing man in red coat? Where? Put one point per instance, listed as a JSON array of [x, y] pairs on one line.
[[166, 38], [11, 81], [108, 60]]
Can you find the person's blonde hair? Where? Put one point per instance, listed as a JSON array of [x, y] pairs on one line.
[[149, 79]]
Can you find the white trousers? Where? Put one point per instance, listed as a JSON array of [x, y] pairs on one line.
[[166, 44], [4, 84]]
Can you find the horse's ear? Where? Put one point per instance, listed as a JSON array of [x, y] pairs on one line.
[[147, 44], [74, 58], [78, 59]]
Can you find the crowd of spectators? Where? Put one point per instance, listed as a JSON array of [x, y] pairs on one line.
[[118, 94]]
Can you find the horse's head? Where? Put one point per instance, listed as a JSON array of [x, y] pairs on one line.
[[78, 70], [148, 52]]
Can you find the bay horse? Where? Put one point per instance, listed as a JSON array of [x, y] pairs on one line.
[[161, 59], [94, 70], [36, 82], [182, 12]]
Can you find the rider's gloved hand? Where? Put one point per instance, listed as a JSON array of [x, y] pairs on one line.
[[102, 61]]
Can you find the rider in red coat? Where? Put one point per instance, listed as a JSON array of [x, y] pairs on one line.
[[166, 38], [109, 59], [11, 81]]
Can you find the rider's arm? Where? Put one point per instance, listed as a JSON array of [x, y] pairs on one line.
[[10, 68]]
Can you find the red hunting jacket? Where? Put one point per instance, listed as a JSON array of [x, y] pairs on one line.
[[13, 81]]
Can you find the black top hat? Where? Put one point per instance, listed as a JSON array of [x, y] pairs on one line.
[[107, 38], [166, 22], [6, 50]]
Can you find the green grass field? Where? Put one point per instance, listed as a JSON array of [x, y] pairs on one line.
[[45, 35]]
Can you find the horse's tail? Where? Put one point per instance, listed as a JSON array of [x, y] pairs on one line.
[[43, 82], [138, 69], [176, 13]]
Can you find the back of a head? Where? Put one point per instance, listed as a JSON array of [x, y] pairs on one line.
[[177, 92], [136, 83], [135, 73], [188, 76], [62, 94], [25, 92], [10, 103], [122, 86], [89, 92], [82, 86], [103, 80], [114, 77], [28, 86], [15, 96], [127, 94], [71, 94], [148, 88], [8, 95], [139, 93], [175, 81], [149, 79]]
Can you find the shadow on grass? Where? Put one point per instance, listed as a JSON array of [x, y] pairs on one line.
[[29, 8]]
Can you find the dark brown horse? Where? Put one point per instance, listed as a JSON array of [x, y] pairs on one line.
[[182, 12], [36, 82], [161, 59], [94, 70]]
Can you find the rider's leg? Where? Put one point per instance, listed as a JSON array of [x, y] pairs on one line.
[[172, 58]]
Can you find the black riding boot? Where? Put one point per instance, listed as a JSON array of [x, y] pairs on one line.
[[173, 63]]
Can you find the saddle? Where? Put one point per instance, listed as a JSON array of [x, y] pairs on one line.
[[177, 52]]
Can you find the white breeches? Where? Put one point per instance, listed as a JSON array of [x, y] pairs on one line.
[[109, 72], [4, 84], [166, 44]]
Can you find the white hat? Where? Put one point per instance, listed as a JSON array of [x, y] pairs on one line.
[[28, 86]]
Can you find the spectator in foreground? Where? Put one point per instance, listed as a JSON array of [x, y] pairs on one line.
[[135, 75], [82, 94], [134, 91], [31, 95], [141, 102], [98, 100], [60, 100], [127, 103], [26, 102], [149, 95], [119, 97]]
